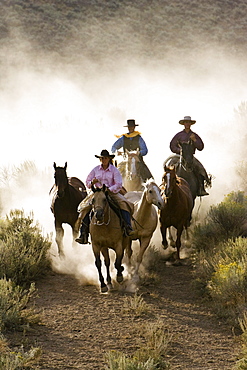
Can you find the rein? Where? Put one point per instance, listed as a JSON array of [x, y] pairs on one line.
[[182, 165]]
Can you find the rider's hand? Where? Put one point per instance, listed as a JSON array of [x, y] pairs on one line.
[[94, 181], [193, 137]]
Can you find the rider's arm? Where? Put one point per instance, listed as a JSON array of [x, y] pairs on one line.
[[198, 143], [116, 180], [117, 145], [143, 147], [92, 175], [174, 145]]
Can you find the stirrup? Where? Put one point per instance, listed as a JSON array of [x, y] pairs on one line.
[[202, 192]]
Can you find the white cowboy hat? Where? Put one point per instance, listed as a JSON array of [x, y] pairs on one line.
[[187, 119]]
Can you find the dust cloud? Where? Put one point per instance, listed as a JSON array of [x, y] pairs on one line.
[[50, 115]]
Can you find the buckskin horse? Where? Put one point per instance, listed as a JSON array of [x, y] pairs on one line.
[[106, 233], [66, 194], [178, 206]]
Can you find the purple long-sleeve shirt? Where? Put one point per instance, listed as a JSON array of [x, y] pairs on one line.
[[111, 177], [185, 137]]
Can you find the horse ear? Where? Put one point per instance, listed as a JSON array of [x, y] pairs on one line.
[[65, 166], [54, 165], [93, 188]]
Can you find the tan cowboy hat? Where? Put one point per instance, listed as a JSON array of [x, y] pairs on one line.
[[131, 123], [105, 153], [187, 119]]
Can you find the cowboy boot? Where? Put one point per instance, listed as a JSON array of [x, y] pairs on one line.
[[84, 231], [127, 224]]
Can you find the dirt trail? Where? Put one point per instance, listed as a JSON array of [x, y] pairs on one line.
[[80, 324]]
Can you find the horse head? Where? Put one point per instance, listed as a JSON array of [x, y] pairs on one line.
[[169, 180], [187, 150], [61, 179], [153, 194], [132, 164], [99, 202]]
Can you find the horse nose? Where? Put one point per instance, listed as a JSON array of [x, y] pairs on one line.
[[161, 205], [99, 214]]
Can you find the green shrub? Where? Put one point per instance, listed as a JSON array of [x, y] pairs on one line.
[[222, 222], [23, 250], [223, 276], [230, 214], [13, 306]]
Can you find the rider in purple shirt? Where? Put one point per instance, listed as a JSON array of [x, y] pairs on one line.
[[184, 136]]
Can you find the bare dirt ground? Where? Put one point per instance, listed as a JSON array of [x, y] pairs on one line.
[[79, 325]]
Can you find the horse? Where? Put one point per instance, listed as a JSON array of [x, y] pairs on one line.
[[130, 171], [178, 206], [66, 194], [145, 218], [184, 164], [106, 233]]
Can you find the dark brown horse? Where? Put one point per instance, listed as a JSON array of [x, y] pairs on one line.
[[66, 194], [178, 206]]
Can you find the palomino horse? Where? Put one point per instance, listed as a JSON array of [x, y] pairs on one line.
[[145, 218], [184, 164], [66, 194], [178, 206], [130, 171], [106, 232]]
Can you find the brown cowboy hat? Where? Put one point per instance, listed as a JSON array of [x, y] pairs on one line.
[[131, 123], [105, 153], [187, 119]]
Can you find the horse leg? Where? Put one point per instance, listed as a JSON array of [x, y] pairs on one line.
[[170, 237], [118, 262], [163, 229], [178, 241], [59, 238], [103, 286], [105, 253], [144, 242], [129, 251]]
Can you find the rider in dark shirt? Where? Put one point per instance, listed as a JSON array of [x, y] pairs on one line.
[[184, 136]]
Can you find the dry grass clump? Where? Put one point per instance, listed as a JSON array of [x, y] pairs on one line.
[[153, 345]]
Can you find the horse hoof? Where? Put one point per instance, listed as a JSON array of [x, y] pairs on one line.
[[119, 279], [164, 246], [177, 263], [104, 289]]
